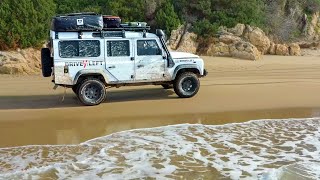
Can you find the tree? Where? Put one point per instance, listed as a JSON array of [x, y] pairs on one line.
[[133, 10], [24, 23], [166, 18]]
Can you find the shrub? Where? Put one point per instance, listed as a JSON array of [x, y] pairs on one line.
[[205, 28]]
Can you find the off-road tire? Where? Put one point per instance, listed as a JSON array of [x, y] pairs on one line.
[[167, 86], [91, 92], [46, 62], [186, 85]]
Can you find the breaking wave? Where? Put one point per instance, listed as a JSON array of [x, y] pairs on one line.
[[263, 149]]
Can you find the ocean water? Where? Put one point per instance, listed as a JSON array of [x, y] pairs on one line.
[[260, 149]]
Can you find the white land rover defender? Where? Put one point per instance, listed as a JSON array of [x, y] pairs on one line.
[[88, 59]]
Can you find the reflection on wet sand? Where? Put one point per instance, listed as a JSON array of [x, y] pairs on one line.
[[76, 130]]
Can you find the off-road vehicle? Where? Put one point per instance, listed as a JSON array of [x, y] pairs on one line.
[[87, 57]]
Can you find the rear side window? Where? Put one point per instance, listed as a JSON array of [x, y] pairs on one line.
[[118, 48], [72, 49], [148, 48]]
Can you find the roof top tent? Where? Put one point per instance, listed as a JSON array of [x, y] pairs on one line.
[[98, 25]]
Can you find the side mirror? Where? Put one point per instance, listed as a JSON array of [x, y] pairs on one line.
[[160, 33]]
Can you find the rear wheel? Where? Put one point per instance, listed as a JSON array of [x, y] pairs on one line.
[[187, 85], [91, 92]]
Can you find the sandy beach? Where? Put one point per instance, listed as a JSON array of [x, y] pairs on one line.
[[31, 112]]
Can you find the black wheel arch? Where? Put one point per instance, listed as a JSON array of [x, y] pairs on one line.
[[186, 68], [80, 76]]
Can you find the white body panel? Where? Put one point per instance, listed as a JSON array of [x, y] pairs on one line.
[[122, 67], [126, 68], [149, 67]]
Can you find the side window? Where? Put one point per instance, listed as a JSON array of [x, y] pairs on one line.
[[118, 48], [83, 48], [148, 48]]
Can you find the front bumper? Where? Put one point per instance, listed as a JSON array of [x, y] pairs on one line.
[[205, 73]]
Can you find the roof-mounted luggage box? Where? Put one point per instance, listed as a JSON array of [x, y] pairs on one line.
[[77, 22], [111, 21]]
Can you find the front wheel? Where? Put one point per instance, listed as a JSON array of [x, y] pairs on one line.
[[186, 85], [92, 92]]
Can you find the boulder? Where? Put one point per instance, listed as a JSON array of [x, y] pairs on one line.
[[188, 43], [282, 50], [294, 49], [229, 39], [219, 49], [19, 68], [272, 49], [258, 38], [244, 50], [183, 40], [175, 37], [238, 30], [25, 61]]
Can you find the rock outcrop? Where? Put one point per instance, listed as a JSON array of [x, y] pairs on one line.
[[258, 38], [183, 40], [282, 50], [244, 50], [294, 49], [25, 61], [312, 30], [241, 41], [246, 42], [219, 49], [272, 49]]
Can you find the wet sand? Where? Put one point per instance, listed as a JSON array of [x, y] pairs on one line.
[[31, 113]]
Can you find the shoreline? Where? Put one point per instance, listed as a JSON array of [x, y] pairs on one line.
[[25, 132], [234, 91]]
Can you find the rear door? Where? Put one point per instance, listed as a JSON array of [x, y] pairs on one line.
[[150, 64], [119, 60]]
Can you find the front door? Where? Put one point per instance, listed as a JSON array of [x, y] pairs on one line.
[[150, 64], [120, 60]]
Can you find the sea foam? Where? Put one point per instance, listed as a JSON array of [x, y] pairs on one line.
[[262, 149]]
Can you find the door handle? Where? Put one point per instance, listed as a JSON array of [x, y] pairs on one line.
[[132, 58], [140, 66], [112, 67]]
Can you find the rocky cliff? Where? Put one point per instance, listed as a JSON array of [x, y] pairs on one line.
[[26, 61], [242, 41]]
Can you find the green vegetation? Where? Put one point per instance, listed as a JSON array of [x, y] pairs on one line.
[[211, 14], [25, 23], [166, 18]]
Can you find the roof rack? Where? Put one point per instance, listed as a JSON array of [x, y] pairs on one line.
[[77, 14], [120, 32], [128, 28]]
